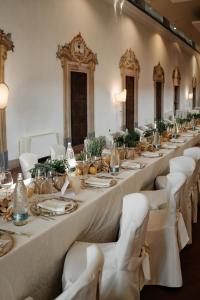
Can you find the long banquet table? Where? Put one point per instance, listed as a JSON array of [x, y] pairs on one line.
[[34, 266]]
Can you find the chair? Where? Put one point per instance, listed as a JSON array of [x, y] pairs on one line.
[[87, 285], [194, 152], [125, 261], [185, 165], [27, 162], [166, 233], [57, 151]]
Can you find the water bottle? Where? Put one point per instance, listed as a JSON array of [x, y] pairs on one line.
[[20, 202], [70, 157], [114, 161], [156, 140]]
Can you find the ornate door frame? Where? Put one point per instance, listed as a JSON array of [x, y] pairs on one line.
[[159, 76], [129, 66], [76, 56]]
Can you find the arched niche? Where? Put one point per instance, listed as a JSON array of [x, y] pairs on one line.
[[130, 69], [78, 63], [194, 91], [159, 80], [176, 78]]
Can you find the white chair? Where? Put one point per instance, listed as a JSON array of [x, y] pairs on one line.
[[125, 261], [186, 165], [27, 162], [87, 285], [139, 131], [194, 152], [57, 151], [166, 233]]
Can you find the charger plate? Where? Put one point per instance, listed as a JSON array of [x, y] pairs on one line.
[[6, 243], [71, 205]]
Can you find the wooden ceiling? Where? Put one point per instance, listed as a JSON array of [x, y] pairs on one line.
[[181, 13]]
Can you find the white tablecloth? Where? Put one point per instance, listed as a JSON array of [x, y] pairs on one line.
[[34, 266]]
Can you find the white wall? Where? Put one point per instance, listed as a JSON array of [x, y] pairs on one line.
[[34, 75]]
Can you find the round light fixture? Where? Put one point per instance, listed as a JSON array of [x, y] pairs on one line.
[[4, 91]]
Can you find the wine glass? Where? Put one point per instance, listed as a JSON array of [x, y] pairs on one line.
[[40, 176], [6, 180]]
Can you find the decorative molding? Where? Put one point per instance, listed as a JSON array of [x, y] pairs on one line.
[[77, 51], [5, 39], [75, 56], [158, 73], [130, 62], [194, 82], [176, 76]]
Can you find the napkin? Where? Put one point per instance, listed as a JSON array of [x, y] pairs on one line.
[[131, 165], [3, 245], [151, 154], [99, 182], [187, 134], [177, 140], [54, 205], [169, 146]]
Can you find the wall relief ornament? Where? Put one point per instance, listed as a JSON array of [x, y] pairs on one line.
[[130, 62], [5, 40], [176, 76], [77, 51], [194, 82], [158, 73]]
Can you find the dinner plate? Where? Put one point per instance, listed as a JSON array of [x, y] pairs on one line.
[[97, 183], [169, 146], [132, 165], [152, 154], [45, 209], [181, 141]]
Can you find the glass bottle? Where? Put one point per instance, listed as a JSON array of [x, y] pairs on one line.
[[114, 161], [70, 157], [20, 202], [156, 139]]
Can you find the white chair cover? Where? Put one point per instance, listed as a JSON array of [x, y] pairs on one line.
[[185, 165], [27, 162], [139, 131], [194, 152], [87, 285], [164, 224], [57, 151], [125, 261]]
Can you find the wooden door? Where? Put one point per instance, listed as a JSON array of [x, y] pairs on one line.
[[158, 100], [176, 98], [194, 98], [78, 107], [130, 81]]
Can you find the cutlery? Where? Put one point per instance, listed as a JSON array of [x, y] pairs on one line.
[[27, 234]]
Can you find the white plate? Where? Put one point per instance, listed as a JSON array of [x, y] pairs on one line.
[[152, 154], [132, 165], [181, 141]]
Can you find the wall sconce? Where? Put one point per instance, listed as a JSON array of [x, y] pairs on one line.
[[4, 91], [120, 99], [190, 96]]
